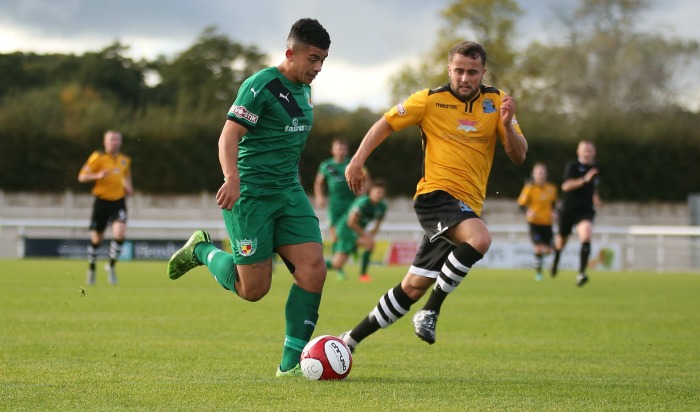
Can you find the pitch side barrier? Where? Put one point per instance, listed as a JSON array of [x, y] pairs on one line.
[[638, 247]]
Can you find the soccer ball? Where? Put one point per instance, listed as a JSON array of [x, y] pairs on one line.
[[326, 358]]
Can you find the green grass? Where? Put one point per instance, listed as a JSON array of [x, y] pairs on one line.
[[626, 341]]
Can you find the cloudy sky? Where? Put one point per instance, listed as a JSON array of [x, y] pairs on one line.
[[370, 38]]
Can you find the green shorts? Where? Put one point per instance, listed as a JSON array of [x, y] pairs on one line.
[[262, 220], [346, 241]]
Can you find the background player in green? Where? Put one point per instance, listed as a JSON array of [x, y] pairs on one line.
[[352, 233], [330, 187], [263, 204]]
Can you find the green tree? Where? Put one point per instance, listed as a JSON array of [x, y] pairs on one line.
[[604, 66], [489, 22], [207, 75], [110, 71]]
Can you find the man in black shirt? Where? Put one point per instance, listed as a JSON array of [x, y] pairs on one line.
[[580, 186]]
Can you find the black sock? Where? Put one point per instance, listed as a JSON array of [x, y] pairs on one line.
[[453, 272], [585, 253], [384, 314]]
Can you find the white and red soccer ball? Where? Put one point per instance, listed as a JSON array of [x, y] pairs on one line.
[[326, 358]]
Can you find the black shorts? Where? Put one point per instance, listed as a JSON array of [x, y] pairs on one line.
[[106, 212], [437, 211], [541, 234], [569, 219]]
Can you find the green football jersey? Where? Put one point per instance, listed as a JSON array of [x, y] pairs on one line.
[[338, 190], [367, 210], [278, 115]]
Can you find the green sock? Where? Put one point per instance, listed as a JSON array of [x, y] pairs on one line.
[[329, 265], [219, 263], [301, 315], [365, 261]]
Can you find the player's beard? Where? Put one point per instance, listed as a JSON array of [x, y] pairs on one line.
[[465, 97]]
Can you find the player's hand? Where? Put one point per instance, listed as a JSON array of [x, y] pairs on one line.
[[228, 194], [507, 110], [355, 176], [593, 172]]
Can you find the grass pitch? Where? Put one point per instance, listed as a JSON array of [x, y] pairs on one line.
[[626, 341]]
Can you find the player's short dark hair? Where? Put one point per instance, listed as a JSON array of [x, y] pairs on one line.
[[308, 31], [378, 183], [470, 49]]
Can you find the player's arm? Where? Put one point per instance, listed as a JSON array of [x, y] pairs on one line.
[[377, 225], [514, 143], [354, 173], [230, 190], [128, 183], [353, 222], [86, 173], [574, 183], [319, 194]]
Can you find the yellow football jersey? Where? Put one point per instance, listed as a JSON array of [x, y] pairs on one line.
[[539, 201], [459, 139], [111, 187]]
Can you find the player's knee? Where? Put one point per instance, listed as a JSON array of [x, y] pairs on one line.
[[415, 286], [252, 293]]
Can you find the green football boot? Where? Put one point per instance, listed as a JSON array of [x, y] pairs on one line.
[[292, 373], [184, 259]]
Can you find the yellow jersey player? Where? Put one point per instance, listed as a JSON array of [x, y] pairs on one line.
[[460, 124], [110, 172], [537, 199]]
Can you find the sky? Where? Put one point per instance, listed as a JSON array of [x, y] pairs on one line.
[[370, 39]]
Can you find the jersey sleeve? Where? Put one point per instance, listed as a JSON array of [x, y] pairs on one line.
[[524, 194], [249, 103], [89, 166], [409, 112]]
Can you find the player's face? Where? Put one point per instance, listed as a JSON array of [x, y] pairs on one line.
[[585, 153], [539, 174], [112, 142], [339, 150], [306, 62], [376, 194], [466, 75]]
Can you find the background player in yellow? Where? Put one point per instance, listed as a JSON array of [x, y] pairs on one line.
[[110, 172], [460, 124], [537, 199]]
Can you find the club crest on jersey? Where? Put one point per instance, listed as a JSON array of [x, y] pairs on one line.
[[247, 247], [467, 125], [308, 99], [488, 106]]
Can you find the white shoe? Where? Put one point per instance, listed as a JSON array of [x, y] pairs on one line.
[[111, 274], [424, 322], [345, 337]]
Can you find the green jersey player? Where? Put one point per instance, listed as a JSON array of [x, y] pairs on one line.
[[265, 209], [352, 230], [330, 187]]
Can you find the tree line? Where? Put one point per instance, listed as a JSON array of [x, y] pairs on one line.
[[604, 81]]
